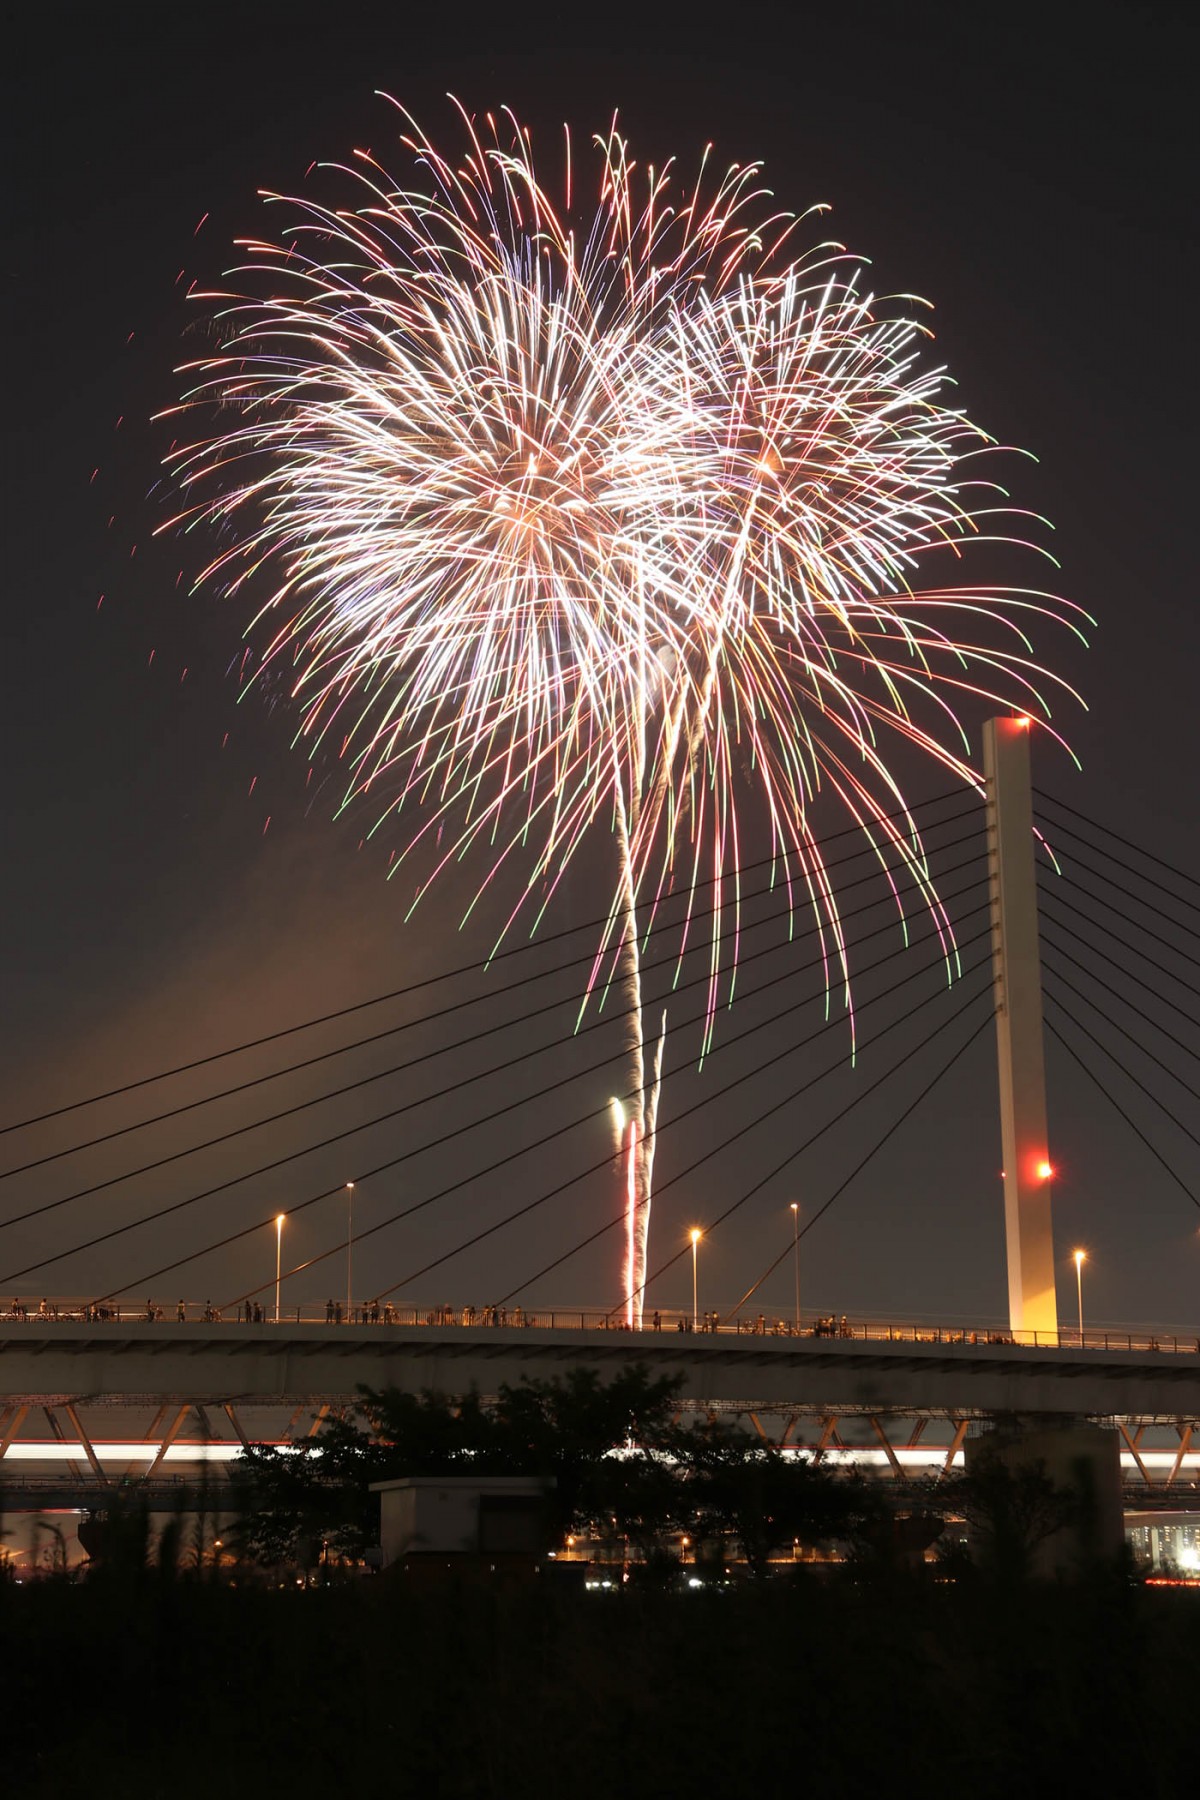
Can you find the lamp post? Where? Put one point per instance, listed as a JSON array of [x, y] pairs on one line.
[[696, 1235], [796, 1258], [349, 1244], [279, 1217], [1080, 1257]]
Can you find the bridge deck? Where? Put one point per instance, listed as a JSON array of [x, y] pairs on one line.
[[125, 1362]]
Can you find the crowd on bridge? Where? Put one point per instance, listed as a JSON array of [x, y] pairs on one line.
[[371, 1312], [376, 1312]]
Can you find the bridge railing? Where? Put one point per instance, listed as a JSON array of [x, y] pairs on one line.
[[73, 1310]]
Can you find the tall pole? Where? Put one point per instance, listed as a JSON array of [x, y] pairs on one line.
[[796, 1256], [695, 1291], [278, 1257], [349, 1244], [1080, 1259], [1016, 967]]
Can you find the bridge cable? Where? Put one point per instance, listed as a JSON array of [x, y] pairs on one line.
[[1140, 849], [613, 1223], [789, 1249], [1078, 862], [1048, 894], [1113, 1101], [1128, 1073], [1050, 884], [620, 1219], [1116, 993], [892, 1129], [1136, 1043], [459, 1131], [582, 1174], [480, 965], [454, 1087], [472, 1038], [607, 1160]]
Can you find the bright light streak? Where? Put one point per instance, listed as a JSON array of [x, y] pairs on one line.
[[57, 1451], [632, 1271]]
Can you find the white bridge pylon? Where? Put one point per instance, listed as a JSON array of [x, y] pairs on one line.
[[1016, 966]]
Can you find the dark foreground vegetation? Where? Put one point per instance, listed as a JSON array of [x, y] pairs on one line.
[[266, 1661], [822, 1683]]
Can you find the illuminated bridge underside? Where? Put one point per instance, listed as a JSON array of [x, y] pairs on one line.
[[289, 1365], [83, 1409]]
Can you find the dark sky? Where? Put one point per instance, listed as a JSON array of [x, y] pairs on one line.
[[1029, 170]]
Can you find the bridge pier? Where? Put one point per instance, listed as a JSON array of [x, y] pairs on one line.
[[1016, 1514], [1028, 1173]]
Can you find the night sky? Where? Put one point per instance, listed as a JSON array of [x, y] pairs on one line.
[[171, 885]]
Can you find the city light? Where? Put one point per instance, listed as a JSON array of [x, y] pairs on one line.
[[1079, 1257]]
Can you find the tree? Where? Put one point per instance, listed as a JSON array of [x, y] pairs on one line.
[[292, 1503], [1011, 1512], [638, 1497], [744, 1490], [568, 1429], [297, 1499]]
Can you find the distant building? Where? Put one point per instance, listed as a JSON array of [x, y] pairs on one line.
[[461, 1518], [1167, 1543]]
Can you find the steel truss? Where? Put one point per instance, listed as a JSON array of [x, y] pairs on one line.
[[915, 1451]]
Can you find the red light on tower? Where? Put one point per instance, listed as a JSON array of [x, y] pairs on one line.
[[1044, 1170]]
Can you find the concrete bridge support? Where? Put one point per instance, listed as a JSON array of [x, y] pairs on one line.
[[1047, 1492], [1028, 1174]]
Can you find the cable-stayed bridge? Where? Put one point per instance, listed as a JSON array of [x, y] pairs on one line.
[[1105, 942]]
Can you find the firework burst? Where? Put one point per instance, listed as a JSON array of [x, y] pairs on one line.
[[566, 513]]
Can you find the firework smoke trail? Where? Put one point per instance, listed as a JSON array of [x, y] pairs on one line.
[[619, 514]]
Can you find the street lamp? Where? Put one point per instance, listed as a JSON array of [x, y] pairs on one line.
[[1080, 1257], [279, 1217], [696, 1236], [349, 1243], [796, 1258]]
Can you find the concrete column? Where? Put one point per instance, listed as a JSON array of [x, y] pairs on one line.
[[1032, 1304], [1082, 1461]]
